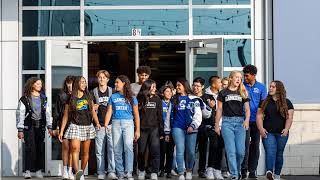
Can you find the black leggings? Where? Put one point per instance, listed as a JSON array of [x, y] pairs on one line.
[[166, 155], [149, 138]]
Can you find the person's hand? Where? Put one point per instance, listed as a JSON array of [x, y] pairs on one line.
[[95, 107], [136, 136], [108, 129], [167, 138], [50, 132], [98, 126], [189, 130], [161, 137], [246, 124], [20, 135], [60, 136], [55, 132], [263, 132], [217, 130], [211, 103], [284, 132]]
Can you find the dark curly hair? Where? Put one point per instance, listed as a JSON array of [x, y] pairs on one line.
[[28, 88], [144, 69], [250, 69], [281, 102]]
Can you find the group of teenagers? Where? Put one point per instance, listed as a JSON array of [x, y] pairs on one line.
[[154, 133]]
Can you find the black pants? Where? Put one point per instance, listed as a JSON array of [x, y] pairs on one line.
[[34, 149], [166, 155], [252, 152], [149, 138], [215, 149]]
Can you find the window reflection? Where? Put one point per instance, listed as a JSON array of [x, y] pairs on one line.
[[51, 3], [237, 52], [51, 23], [33, 55], [151, 22], [221, 21]]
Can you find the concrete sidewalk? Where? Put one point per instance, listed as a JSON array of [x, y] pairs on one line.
[[174, 178]]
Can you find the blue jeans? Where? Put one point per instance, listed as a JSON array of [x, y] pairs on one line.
[[184, 142], [234, 135], [274, 145], [123, 136], [102, 140]]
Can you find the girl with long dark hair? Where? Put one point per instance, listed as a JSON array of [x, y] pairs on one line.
[[79, 111], [123, 110], [33, 116], [62, 99], [151, 125], [186, 117], [274, 119], [233, 106]]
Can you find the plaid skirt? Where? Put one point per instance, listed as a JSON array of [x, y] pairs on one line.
[[80, 132]]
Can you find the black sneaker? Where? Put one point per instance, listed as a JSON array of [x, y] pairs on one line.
[[168, 176], [161, 174], [147, 176], [201, 174], [244, 174], [252, 175]]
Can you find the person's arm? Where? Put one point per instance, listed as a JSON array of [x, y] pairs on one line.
[[218, 117], [288, 124], [259, 122], [95, 116], [137, 122], [65, 119], [108, 116], [247, 111], [159, 117], [197, 117], [49, 119], [20, 117]]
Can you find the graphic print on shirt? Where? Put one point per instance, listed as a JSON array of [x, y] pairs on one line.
[[151, 105], [233, 97], [182, 105], [256, 90], [104, 100], [82, 104]]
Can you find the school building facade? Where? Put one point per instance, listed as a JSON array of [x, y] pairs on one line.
[[54, 38]]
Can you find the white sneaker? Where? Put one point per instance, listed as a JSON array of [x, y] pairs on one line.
[[112, 176], [277, 177], [210, 173], [27, 174], [174, 173], [154, 176], [129, 176], [141, 175], [225, 174], [189, 175], [39, 174], [71, 176], [65, 175], [217, 174], [181, 177], [101, 176], [82, 177]]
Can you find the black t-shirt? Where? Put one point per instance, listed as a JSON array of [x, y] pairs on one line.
[[273, 121], [83, 115], [103, 103], [233, 103]]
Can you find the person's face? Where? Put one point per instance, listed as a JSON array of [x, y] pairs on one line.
[[167, 93], [102, 79], [119, 85], [225, 84], [37, 86], [180, 88], [197, 88], [153, 89], [82, 84], [69, 86], [236, 79], [143, 77], [217, 84], [272, 89], [249, 78]]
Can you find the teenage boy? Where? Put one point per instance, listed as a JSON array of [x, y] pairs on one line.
[[144, 73], [257, 92], [103, 138], [206, 131]]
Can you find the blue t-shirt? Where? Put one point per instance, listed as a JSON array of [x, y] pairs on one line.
[[165, 108], [257, 93], [179, 118], [121, 109]]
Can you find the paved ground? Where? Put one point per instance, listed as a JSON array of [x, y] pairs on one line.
[[195, 178]]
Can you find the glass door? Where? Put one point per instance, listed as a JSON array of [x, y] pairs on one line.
[[205, 58], [63, 58]]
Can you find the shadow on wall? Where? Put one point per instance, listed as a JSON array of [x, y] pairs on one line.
[[7, 162]]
